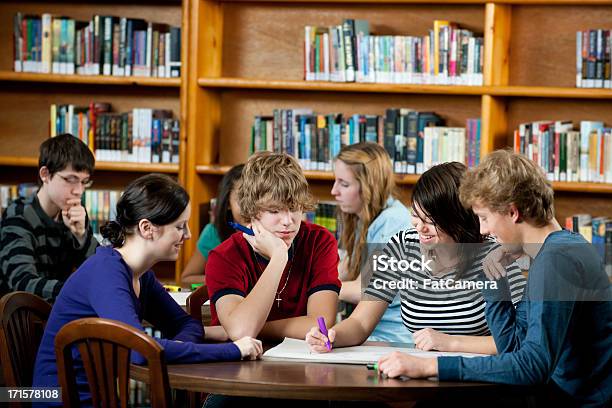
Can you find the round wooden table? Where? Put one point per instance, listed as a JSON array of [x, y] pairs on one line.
[[310, 381]]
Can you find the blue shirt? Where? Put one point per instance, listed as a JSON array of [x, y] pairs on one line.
[[209, 240], [394, 218], [561, 331], [102, 287]]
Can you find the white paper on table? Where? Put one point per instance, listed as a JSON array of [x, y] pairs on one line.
[[297, 350], [181, 298]]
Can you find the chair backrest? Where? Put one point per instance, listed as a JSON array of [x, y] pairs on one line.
[[23, 317], [105, 346], [195, 302]]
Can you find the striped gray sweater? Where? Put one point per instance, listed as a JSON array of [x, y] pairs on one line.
[[37, 254]]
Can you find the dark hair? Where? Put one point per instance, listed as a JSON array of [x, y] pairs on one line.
[[437, 195], [223, 211], [65, 150], [155, 197]]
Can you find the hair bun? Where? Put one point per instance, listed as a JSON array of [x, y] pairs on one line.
[[114, 232]]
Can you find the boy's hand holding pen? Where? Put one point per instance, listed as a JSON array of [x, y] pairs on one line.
[[317, 341]]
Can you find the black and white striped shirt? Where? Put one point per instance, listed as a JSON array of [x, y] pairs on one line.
[[427, 303]]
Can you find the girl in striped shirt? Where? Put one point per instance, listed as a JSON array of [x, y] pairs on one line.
[[437, 269]]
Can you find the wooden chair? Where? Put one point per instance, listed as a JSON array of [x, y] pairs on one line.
[[23, 317], [195, 301], [105, 347]]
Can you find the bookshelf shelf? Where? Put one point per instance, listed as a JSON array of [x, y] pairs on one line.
[[598, 188], [138, 167], [319, 86], [550, 92], [310, 174], [8, 76], [106, 166], [18, 161]]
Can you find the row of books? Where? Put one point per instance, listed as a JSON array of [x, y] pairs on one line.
[[593, 50], [566, 154], [141, 135], [598, 231], [101, 207], [326, 215], [105, 45], [315, 139], [446, 55], [10, 192]]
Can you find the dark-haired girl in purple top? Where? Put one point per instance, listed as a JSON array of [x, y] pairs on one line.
[[117, 283]]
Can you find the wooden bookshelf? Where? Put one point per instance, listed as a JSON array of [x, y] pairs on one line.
[[247, 60], [25, 98]]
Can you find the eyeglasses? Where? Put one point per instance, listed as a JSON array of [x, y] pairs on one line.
[[73, 181]]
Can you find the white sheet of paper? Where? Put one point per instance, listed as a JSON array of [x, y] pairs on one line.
[[181, 298], [297, 350]]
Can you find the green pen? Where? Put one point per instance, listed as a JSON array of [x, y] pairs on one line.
[[374, 366]]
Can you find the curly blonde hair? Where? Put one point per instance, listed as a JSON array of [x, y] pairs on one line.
[[504, 178], [371, 166], [272, 181]]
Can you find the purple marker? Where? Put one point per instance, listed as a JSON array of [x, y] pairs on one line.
[[323, 329]]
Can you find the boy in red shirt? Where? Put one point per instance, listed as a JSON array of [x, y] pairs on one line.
[[276, 283]]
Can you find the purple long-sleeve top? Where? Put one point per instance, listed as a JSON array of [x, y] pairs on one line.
[[102, 287]]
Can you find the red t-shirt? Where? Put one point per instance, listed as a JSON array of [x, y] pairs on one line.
[[313, 260]]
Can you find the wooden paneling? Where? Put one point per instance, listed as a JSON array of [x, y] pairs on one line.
[[543, 42], [568, 204], [265, 40]]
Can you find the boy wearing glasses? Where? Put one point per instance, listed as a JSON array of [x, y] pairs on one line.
[[43, 239]]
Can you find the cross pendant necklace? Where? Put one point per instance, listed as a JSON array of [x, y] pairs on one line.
[[278, 294]]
